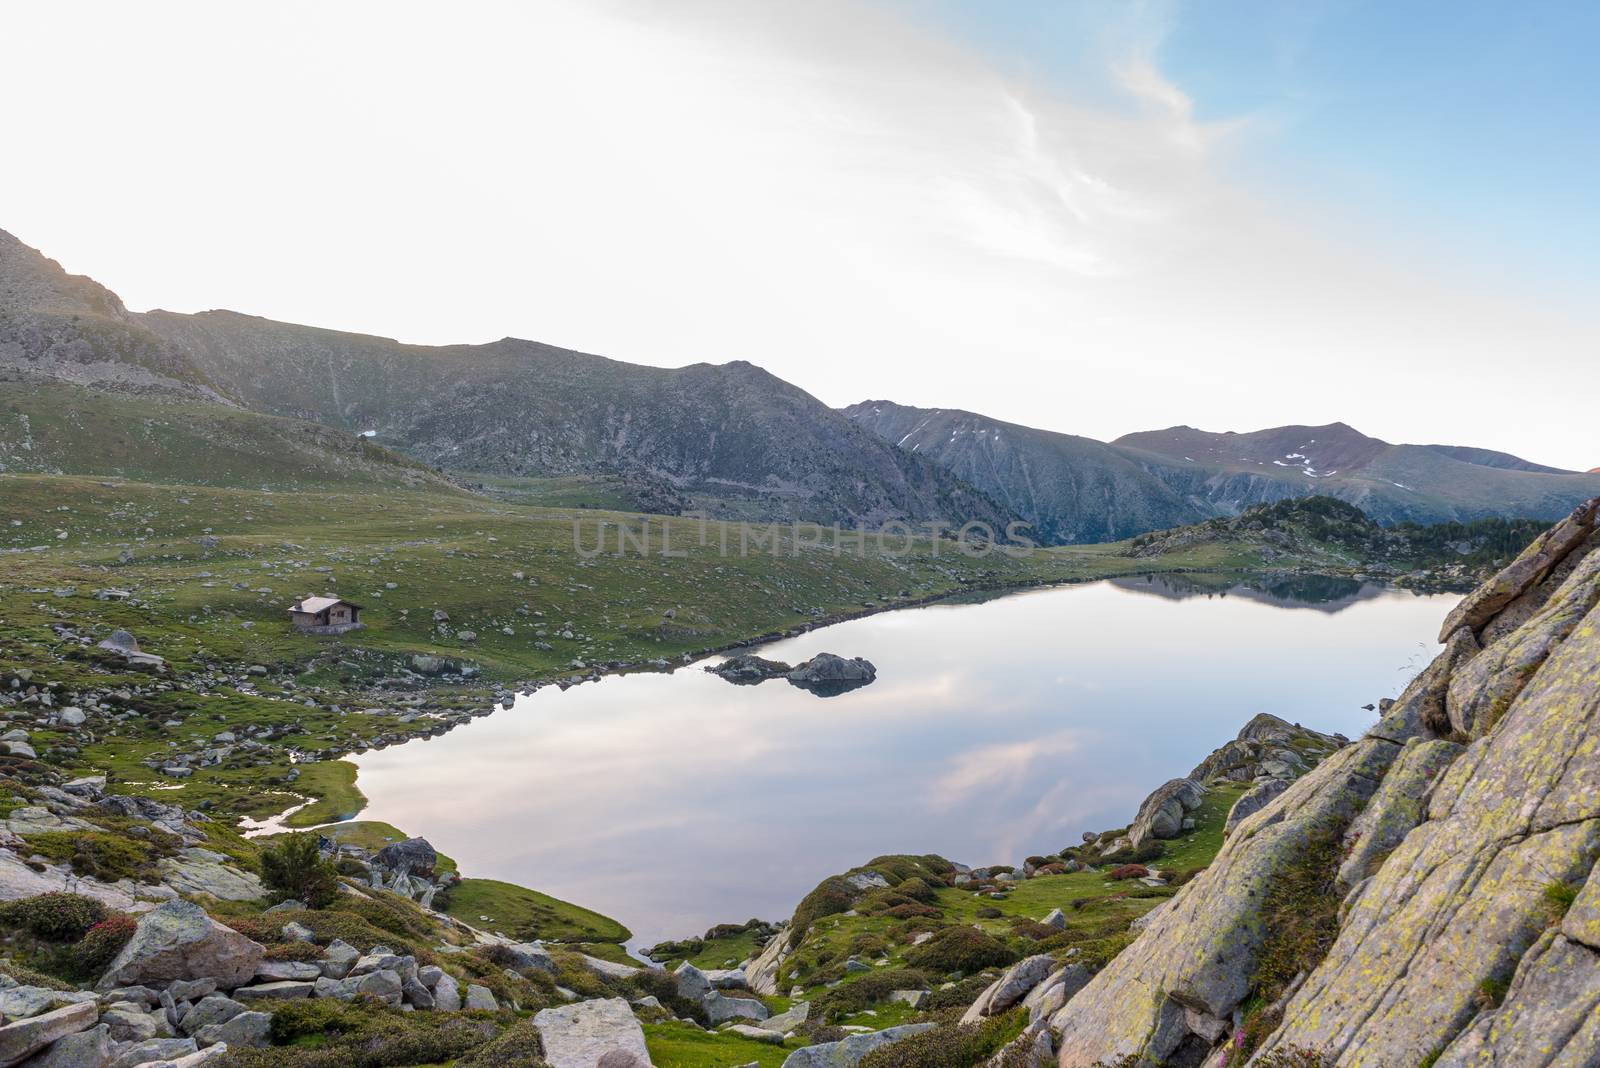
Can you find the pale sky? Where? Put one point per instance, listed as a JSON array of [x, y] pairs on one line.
[[1090, 217]]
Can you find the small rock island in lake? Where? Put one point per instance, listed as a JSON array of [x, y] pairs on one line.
[[826, 674]]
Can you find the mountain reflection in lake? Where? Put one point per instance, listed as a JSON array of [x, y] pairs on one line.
[[995, 729]]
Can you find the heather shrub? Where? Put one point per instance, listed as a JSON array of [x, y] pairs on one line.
[[101, 944], [960, 949], [57, 917]]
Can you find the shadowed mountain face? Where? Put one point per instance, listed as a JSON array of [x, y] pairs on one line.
[[731, 438], [1391, 483], [1075, 489], [1070, 489]]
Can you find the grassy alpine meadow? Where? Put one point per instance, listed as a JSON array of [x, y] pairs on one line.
[[505, 593]]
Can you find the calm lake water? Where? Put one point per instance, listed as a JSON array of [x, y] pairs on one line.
[[994, 730]]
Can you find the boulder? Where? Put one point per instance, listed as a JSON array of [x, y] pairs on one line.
[[608, 969], [201, 871], [757, 1034], [1163, 812], [21, 1039], [848, 1052], [414, 856], [692, 982], [20, 1001], [177, 940], [212, 1009], [277, 971], [447, 994], [525, 955], [828, 675], [1012, 986], [1252, 801], [285, 990], [785, 1022], [248, 1030], [720, 1008], [748, 668], [584, 1034], [480, 998], [86, 1049], [155, 1051]]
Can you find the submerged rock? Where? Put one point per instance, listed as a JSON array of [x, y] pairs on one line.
[[747, 669]]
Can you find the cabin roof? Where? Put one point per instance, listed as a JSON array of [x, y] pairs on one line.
[[314, 605]]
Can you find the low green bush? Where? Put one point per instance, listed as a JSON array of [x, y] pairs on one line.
[[865, 991], [383, 1040], [960, 949], [517, 1046], [949, 1045], [58, 917], [100, 855]]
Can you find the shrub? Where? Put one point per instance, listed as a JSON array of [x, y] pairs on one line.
[[989, 912], [1128, 871], [304, 952], [960, 949], [832, 896], [1023, 927], [518, 1044], [295, 868], [58, 917], [1145, 853], [102, 943], [949, 1045], [100, 855], [867, 990], [394, 1039], [663, 986], [960, 995], [814, 1032]]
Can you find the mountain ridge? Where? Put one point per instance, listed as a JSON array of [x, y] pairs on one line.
[[731, 439], [1182, 475]]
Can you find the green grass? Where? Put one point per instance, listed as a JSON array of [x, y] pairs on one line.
[[1096, 908], [522, 913], [333, 784], [68, 428], [675, 1045]]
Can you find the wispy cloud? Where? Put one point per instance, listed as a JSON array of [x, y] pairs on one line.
[[862, 202]]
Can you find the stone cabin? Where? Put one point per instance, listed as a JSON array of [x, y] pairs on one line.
[[325, 615]]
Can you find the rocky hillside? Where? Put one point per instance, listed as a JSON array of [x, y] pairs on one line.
[[1227, 472], [1427, 895], [732, 439], [1075, 489], [1070, 489], [71, 328], [1329, 533]]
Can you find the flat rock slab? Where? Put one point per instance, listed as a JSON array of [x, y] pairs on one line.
[[581, 1035], [24, 1038], [847, 1053]]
